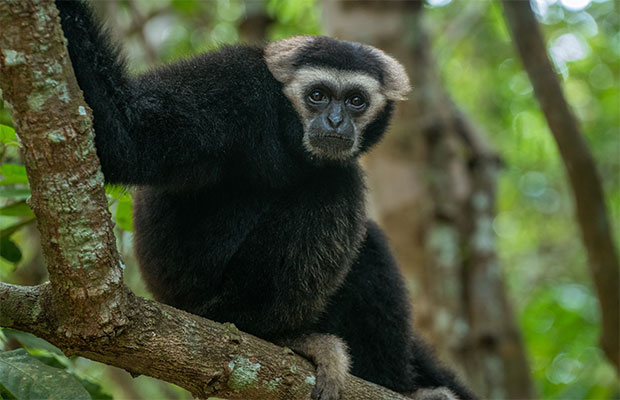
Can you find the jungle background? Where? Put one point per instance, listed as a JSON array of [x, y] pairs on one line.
[[468, 183]]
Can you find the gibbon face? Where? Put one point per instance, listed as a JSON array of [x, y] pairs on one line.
[[335, 98]]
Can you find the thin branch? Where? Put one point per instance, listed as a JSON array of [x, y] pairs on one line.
[[581, 169]]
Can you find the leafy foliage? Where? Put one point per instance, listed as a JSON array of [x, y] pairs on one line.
[[48, 354], [13, 192], [293, 18], [573, 367], [13, 174], [24, 377], [539, 243], [7, 135], [121, 202]]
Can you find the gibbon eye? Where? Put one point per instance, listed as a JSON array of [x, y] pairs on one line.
[[316, 96], [357, 101]]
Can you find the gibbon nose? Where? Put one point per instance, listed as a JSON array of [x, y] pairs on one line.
[[335, 117]]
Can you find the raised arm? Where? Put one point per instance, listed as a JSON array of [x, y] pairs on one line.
[[177, 125], [101, 74]]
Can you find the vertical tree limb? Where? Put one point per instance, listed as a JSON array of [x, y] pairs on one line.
[[580, 167], [54, 125]]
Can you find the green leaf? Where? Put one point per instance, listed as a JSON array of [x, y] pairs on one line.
[[7, 135], [13, 173], [9, 250], [16, 193], [30, 341], [49, 359], [25, 377], [51, 356], [5, 395], [18, 209], [95, 390], [123, 215], [116, 192], [9, 230], [121, 199], [185, 6]]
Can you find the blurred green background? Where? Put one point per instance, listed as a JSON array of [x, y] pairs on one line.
[[539, 244]]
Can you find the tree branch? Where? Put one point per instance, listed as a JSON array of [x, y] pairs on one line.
[[579, 163], [202, 356], [85, 309]]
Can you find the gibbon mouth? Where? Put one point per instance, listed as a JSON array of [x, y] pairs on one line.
[[331, 143]]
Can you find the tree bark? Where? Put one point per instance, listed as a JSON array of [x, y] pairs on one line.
[[85, 309], [204, 357], [42, 95], [433, 184], [580, 167]]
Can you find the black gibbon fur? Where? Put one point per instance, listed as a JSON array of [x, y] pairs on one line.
[[234, 220]]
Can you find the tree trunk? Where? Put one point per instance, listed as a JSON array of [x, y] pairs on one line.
[[433, 190]]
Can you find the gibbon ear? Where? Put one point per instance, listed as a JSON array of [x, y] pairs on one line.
[[396, 82], [279, 56]]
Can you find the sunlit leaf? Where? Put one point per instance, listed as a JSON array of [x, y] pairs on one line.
[[7, 135], [17, 209], [123, 215], [13, 174], [116, 192], [121, 202], [184, 6]]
